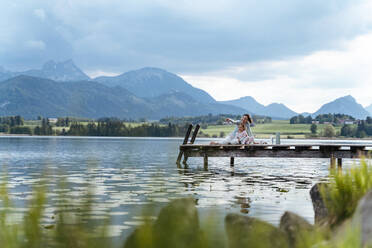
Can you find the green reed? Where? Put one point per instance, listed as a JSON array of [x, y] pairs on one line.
[[345, 189], [71, 228]]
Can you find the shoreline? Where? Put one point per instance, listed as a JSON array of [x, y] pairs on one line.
[[181, 137]]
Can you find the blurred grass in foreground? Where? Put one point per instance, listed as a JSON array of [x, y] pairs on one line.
[[177, 225]]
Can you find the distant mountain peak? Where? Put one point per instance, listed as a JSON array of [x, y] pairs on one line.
[[248, 103], [58, 71], [150, 82], [53, 65], [149, 68], [343, 105], [49, 65], [147, 72], [250, 98], [276, 104], [347, 97], [275, 110]]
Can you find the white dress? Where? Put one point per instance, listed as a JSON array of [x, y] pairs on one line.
[[229, 138], [240, 138]]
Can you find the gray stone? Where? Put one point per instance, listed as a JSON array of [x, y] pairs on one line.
[[177, 225], [244, 231], [295, 227], [320, 210], [362, 219]]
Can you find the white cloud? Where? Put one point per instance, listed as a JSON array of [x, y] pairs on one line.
[[40, 13], [35, 44], [303, 83], [179, 35]]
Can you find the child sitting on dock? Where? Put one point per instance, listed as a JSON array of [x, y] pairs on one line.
[[246, 122], [242, 136]]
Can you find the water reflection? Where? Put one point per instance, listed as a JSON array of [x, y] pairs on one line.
[[128, 174]]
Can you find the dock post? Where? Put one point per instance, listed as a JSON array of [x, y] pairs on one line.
[[185, 140], [196, 130], [333, 162], [193, 137], [205, 162], [232, 161], [339, 163], [277, 138]]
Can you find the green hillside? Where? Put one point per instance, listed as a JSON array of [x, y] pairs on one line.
[[269, 129]]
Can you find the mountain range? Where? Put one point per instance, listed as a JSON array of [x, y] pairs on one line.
[[31, 96], [345, 105], [152, 82], [63, 89], [275, 110], [369, 109], [58, 71]]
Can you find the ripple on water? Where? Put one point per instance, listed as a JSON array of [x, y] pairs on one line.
[[125, 175]]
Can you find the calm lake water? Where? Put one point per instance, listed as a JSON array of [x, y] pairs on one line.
[[129, 173]]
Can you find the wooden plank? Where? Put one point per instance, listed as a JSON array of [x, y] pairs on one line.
[[185, 140], [359, 150], [232, 161], [196, 130], [286, 145], [280, 147], [332, 162], [334, 151], [356, 148], [302, 148], [274, 153], [187, 135], [205, 162]]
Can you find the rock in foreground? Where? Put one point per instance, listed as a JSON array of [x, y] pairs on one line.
[[320, 210], [177, 226], [362, 219], [296, 227], [244, 231]]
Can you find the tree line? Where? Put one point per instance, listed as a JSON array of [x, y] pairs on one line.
[[119, 128], [15, 125], [361, 130], [102, 127], [322, 118], [9, 122]]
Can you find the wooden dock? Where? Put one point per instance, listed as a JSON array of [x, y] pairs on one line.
[[335, 152]]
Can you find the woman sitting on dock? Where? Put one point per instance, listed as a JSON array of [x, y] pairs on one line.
[[246, 121]]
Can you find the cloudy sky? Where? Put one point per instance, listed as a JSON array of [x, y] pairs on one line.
[[298, 52]]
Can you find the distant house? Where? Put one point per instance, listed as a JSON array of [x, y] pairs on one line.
[[346, 122], [52, 120], [315, 122]]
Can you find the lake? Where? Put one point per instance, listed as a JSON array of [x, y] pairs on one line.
[[129, 173]]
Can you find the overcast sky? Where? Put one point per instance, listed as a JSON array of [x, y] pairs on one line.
[[298, 52]]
